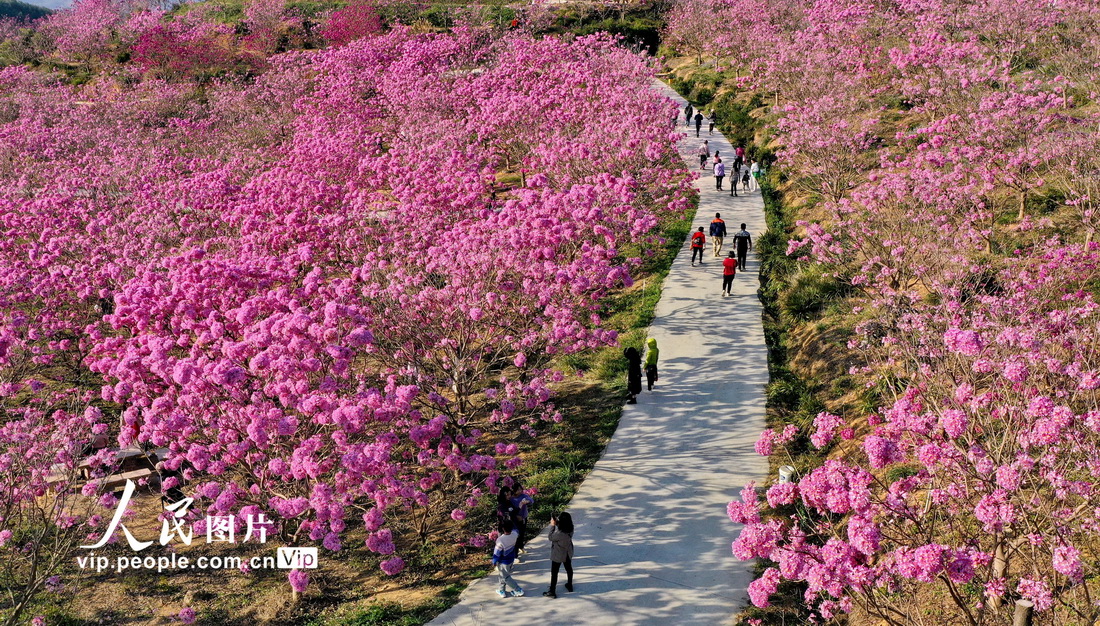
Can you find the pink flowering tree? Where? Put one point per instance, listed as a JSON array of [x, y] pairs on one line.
[[320, 314], [354, 21], [973, 487], [973, 482]]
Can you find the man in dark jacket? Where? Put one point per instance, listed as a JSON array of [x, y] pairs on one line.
[[717, 231], [744, 243]]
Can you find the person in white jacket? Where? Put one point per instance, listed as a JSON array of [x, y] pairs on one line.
[[754, 174], [504, 557], [704, 154]]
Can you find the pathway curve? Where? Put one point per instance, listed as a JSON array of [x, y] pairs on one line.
[[652, 537]]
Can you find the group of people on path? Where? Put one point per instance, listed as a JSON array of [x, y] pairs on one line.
[[513, 510], [737, 258], [699, 119], [749, 178]]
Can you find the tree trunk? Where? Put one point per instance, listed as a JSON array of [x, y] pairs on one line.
[[1023, 203], [1023, 614], [1000, 565]]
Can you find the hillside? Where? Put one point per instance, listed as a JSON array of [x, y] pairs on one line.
[[21, 10]]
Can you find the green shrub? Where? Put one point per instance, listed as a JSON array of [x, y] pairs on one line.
[[641, 32], [810, 290]]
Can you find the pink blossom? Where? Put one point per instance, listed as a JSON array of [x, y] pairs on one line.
[[762, 588], [781, 494], [298, 580], [393, 566], [826, 425], [1037, 591], [1067, 561]]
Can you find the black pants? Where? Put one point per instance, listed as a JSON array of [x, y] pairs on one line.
[[698, 251], [742, 254], [698, 125], [733, 184], [718, 182], [554, 567], [521, 530], [650, 376], [702, 161], [727, 283]]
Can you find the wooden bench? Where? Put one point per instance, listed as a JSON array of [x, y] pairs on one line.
[[114, 482]]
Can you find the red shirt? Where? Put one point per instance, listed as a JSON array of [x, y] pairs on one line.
[[729, 267], [698, 240]]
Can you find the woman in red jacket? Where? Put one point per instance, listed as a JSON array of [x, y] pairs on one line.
[[698, 242]]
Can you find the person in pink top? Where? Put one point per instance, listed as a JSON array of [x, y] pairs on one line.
[[740, 152]]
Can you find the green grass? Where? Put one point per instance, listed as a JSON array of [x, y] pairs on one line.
[[394, 614]]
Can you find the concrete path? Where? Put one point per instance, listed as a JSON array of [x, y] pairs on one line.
[[652, 536]]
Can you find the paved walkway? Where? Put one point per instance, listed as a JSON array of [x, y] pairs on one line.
[[652, 537]]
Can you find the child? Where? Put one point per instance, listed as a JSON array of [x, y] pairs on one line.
[[651, 362], [504, 556], [520, 501], [561, 552]]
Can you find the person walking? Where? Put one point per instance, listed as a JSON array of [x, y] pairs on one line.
[[561, 552], [698, 242], [633, 374], [504, 558], [713, 117], [651, 354], [704, 154], [743, 243], [506, 513], [735, 177], [520, 502], [754, 171], [719, 174], [717, 232], [687, 114], [698, 123], [729, 271], [740, 152], [745, 181]]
